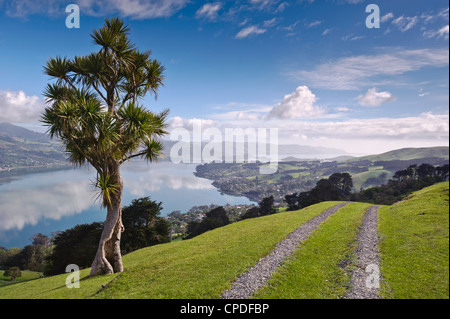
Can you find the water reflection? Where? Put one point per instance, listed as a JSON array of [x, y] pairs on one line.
[[29, 200], [141, 178], [58, 200]]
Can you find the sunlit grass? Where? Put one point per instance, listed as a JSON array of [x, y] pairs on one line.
[[414, 245], [201, 267], [320, 267]]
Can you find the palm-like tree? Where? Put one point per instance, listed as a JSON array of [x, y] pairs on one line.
[[94, 108]]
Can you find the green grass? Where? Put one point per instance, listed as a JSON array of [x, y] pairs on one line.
[[320, 268], [414, 245], [26, 275], [407, 154], [202, 267], [414, 252], [360, 178]]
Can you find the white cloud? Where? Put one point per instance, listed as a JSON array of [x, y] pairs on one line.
[[291, 26], [209, 10], [352, 37], [262, 4], [250, 115], [369, 136], [249, 31], [405, 23], [135, 9], [23, 8], [440, 33], [374, 98], [313, 24], [180, 122], [326, 31], [351, 73], [431, 16], [342, 109], [270, 23], [281, 7], [243, 23], [387, 17], [443, 32], [299, 104], [17, 107], [422, 93]]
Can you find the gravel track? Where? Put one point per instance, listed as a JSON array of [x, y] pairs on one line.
[[366, 275], [257, 276]]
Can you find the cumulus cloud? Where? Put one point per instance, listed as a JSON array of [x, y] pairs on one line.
[[370, 136], [357, 135], [17, 107], [374, 98], [249, 31], [299, 104]]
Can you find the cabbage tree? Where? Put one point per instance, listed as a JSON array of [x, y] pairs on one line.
[[95, 108]]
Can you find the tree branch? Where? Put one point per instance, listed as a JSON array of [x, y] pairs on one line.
[[68, 81], [79, 149], [132, 156], [98, 91]]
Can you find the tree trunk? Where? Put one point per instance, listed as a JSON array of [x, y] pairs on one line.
[[108, 259]]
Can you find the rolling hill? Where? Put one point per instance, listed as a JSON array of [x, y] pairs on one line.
[[21, 148], [414, 238], [406, 154]]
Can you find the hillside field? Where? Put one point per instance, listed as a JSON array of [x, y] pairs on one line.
[[414, 251]]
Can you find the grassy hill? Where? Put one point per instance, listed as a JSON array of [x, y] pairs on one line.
[[406, 154], [22, 148], [414, 254], [414, 245], [388, 163]]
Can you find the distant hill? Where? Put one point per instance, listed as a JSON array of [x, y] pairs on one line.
[[297, 151], [286, 152], [406, 154], [7, 129], [21, 148]]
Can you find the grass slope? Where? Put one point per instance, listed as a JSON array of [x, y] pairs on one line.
[[407, 154], [26, 275], [414, 252], [202, 267], [320, 268], [414, 245]]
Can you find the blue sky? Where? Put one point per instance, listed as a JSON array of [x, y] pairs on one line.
[[312, 69]]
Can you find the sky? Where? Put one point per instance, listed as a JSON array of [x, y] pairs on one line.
[[312, 69]]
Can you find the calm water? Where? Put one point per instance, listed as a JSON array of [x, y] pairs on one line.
[[58, 200]]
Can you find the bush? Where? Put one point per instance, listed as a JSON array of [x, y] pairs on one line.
[[213, 219], [335, 188], [13, 272]]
